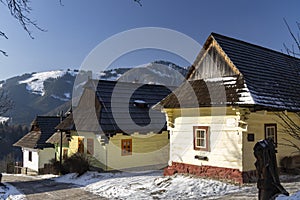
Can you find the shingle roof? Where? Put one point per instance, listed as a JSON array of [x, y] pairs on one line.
[[273, 78], [55, 138], [42, 128], [66, 124], [210, 92], [128, 115]]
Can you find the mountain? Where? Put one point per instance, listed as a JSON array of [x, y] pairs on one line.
[[38, 93], [157, 72], [50, 92]]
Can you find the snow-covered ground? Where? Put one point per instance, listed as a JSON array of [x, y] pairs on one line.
[[151, 185], [7, 191], [148, 185]]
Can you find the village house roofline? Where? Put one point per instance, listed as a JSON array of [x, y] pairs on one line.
[[141, 99], [271, 78], [42, 128]]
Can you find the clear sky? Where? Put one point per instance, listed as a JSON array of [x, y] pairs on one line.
[[74, 29]]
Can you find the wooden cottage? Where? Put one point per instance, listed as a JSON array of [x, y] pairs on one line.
[[115, 126], [36, 151], [234, 97]]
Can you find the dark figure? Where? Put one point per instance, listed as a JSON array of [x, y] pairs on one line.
[[268, 182], [0, 177]]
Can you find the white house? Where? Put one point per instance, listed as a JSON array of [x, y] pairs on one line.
[[234, 97], [36, 152]]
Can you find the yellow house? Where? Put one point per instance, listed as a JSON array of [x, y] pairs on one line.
[[234, 97], [115, 126]]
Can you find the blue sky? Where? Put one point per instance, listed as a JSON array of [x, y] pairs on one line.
[[74, 29]]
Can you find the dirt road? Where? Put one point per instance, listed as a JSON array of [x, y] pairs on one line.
[[47, 189]]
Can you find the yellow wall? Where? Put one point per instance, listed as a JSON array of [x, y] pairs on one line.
[[149, 151], [256, 123], [45, 155]]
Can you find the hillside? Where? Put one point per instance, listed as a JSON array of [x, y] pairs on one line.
[[50, 92]]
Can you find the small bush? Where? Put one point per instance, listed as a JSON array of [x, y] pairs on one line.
[[56, 166], [77, 163]]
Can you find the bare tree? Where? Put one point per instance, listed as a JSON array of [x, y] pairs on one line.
[[291, 128], [296, 38], [20, 10]]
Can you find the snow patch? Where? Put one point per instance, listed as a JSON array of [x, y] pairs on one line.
[[139, 101], [3, 119], [35, 83], [59, 98], [67, 95], [151, 185], [295, 196], [8, 191], [229, 78]]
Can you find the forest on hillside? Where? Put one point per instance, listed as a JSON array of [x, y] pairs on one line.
[[9, 134]]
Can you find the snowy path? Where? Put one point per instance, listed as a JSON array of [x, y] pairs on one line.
[[35, 189]]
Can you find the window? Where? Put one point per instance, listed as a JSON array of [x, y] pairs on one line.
[[90, 146], [65, 154], [126, 146], [201, 138], [30, 155], [80, 145], [250, 137], [271, 132]]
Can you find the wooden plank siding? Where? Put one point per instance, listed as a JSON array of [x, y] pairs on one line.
[[225, 141], [219, 66]]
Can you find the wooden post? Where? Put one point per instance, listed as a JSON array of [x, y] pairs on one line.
[[61, 138]]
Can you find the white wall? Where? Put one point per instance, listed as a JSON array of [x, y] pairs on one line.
[[34, 164], [39, 157], [225, 142]]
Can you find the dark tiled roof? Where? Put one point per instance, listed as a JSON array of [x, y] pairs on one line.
[[42, 128], [129, 115], [273, 78]]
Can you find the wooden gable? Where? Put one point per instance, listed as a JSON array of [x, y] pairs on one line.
[[212, 62]]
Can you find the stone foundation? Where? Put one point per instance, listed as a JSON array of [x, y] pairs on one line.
[[220, 173]]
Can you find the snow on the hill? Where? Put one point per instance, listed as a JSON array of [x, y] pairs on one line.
[[35, 83], [59, 98], [3, 119]]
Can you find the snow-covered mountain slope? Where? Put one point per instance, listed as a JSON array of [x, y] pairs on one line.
[[38, 93], [35, 83]]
